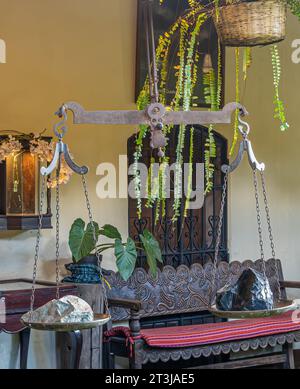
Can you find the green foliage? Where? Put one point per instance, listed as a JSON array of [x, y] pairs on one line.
[[82, 244], [81, 239], [294, 6], [212, 92], [152, 251], [279, 107], [247, 61], [209, 153], [210, 89], [152, 185], [188, 84], [217, 4], [126, 257], [180, 68], [190, 177], [110, 232], [142, 102], [219, 81], [237, 99], [188, 27]]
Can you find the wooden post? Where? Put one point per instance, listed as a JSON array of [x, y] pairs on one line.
[[135, 359], [92, 342]]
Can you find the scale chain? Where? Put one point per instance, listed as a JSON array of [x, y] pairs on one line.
[[88, 204], [57, 252], [37, 246], [219, 233], [260, 235], [267, 209]]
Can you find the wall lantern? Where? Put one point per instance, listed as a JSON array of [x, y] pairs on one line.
[[20, 183]]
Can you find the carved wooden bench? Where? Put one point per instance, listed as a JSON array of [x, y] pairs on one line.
[[180, 297]]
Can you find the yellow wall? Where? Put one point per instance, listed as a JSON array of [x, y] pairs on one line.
[[84, 50], [58, 51]]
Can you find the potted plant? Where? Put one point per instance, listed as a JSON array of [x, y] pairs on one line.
[[85, 250]]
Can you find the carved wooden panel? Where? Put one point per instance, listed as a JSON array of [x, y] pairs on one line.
[[180, 290]]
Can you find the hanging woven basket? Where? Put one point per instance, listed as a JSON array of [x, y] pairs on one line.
[[251, 23]]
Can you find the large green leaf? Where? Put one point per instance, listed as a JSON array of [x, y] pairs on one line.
[[81, 240], [126, 257], [110, 232], [152, 250]]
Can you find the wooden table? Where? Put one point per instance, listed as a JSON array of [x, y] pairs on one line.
[[16, 294]]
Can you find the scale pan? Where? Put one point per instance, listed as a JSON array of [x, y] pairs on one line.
[[281, 306], [99, 320]]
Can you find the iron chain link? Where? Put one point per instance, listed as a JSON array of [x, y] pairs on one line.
[[219, 234], [260, 236], [57, 230], [91, 220], [37, 245], [258, 216], [270, 232]]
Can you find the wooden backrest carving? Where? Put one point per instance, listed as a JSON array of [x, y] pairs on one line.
[[181, 290]]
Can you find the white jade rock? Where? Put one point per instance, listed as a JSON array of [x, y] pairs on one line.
[[68, 309]]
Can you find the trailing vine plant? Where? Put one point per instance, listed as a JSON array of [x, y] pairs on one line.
[[186, 104], [247, 61], [279, 107], [237, 99], [294, 6], [188, 29]]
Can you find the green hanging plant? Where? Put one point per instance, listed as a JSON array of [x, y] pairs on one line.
[[190, 174], [175, 104], [162, 53], [212, 92], [187, 27], [247, 61], [211, 97], [237, 99], [279, 107], [220, 80], [216, 4], [187, 99], [210, 89], [210, 152], [294, 6], [143, 101], [160, 207]]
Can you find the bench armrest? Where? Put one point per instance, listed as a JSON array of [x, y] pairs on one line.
[[134, 305], [290, 284]]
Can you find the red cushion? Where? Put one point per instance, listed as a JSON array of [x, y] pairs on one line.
[[220, 332]]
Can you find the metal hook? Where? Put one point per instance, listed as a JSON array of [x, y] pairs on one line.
[[245, 147], [60, 128], [62, 149], [244, 132]]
